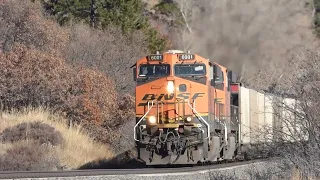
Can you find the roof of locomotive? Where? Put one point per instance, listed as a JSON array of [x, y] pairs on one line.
[[168, 52], [177, 51]]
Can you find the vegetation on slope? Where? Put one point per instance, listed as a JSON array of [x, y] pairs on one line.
[[128, 15], [35, 139], [35, 72]]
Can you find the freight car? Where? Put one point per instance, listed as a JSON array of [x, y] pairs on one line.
[[191, 110]]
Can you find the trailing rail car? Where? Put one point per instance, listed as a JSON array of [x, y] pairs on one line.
[[191, 110]]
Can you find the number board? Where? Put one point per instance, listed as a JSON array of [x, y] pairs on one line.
[[186, 57], [155, 57]]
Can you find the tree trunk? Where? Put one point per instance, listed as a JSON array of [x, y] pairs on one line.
[[92, 13]]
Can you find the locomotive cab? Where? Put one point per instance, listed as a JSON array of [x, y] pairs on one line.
[[168, 87]]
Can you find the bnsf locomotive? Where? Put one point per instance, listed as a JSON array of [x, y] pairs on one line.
[[187, 110]]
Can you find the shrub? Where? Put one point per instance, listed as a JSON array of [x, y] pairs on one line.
[[95, 102], [108, 51], [125, 113], [117, 131], [34, 78], [40, 132], [24, 23], [29, 156]]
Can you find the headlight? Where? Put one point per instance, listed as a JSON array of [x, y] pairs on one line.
[[170, 87], [189, 119], [152, 120]]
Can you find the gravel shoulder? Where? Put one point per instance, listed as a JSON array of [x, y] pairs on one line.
[[255, 170]]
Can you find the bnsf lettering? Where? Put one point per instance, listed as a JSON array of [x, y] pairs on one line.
[[151, 97], [196, 95], [187, 95], [183, 95]]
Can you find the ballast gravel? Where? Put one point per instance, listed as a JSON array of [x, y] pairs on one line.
[[253, 171]]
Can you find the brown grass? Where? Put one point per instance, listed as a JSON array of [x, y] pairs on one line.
[[77, 149]]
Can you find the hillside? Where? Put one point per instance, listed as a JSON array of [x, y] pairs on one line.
[[35, 139], [72, 58], [37, 70]]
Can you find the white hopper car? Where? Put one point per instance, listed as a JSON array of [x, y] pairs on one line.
[[265, 118]]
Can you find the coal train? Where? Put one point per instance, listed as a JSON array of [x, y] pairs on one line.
[[191, 110]]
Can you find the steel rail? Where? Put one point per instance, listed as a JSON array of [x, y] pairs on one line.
[[103, 172]]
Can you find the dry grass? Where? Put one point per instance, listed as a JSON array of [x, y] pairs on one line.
[[296, 174], [4, 147], [29, 155], [77, 148]]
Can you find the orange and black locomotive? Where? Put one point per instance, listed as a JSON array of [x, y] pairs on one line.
[[186, 111]]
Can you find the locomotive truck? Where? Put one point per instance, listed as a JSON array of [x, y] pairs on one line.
[[191, 110]]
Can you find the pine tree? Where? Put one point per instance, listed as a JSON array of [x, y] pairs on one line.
[[127, 14]]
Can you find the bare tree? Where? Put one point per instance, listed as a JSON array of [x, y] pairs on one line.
[[108, 51], [186, 10], [93, 9], [296, 128]]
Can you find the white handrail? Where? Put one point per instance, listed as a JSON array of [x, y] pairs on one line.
[[149, 108], [226, 133], [207, 124], [134, 130]]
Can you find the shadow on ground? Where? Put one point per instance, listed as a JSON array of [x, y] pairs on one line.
[[125, 160]]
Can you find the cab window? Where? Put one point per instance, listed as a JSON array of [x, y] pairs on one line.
[[154, 70], [219, 77], [190, 69]]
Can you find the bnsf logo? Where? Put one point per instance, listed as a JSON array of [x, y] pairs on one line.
[[151, 97]]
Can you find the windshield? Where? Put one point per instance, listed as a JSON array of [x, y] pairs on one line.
[[190, 69], [154, 70]]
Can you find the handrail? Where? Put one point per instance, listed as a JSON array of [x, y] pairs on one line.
[[152, 104], [162, 110], [225, 133], [134, 130], [207, 124]]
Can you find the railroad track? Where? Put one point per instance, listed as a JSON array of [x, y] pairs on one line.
[[103, 172]]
